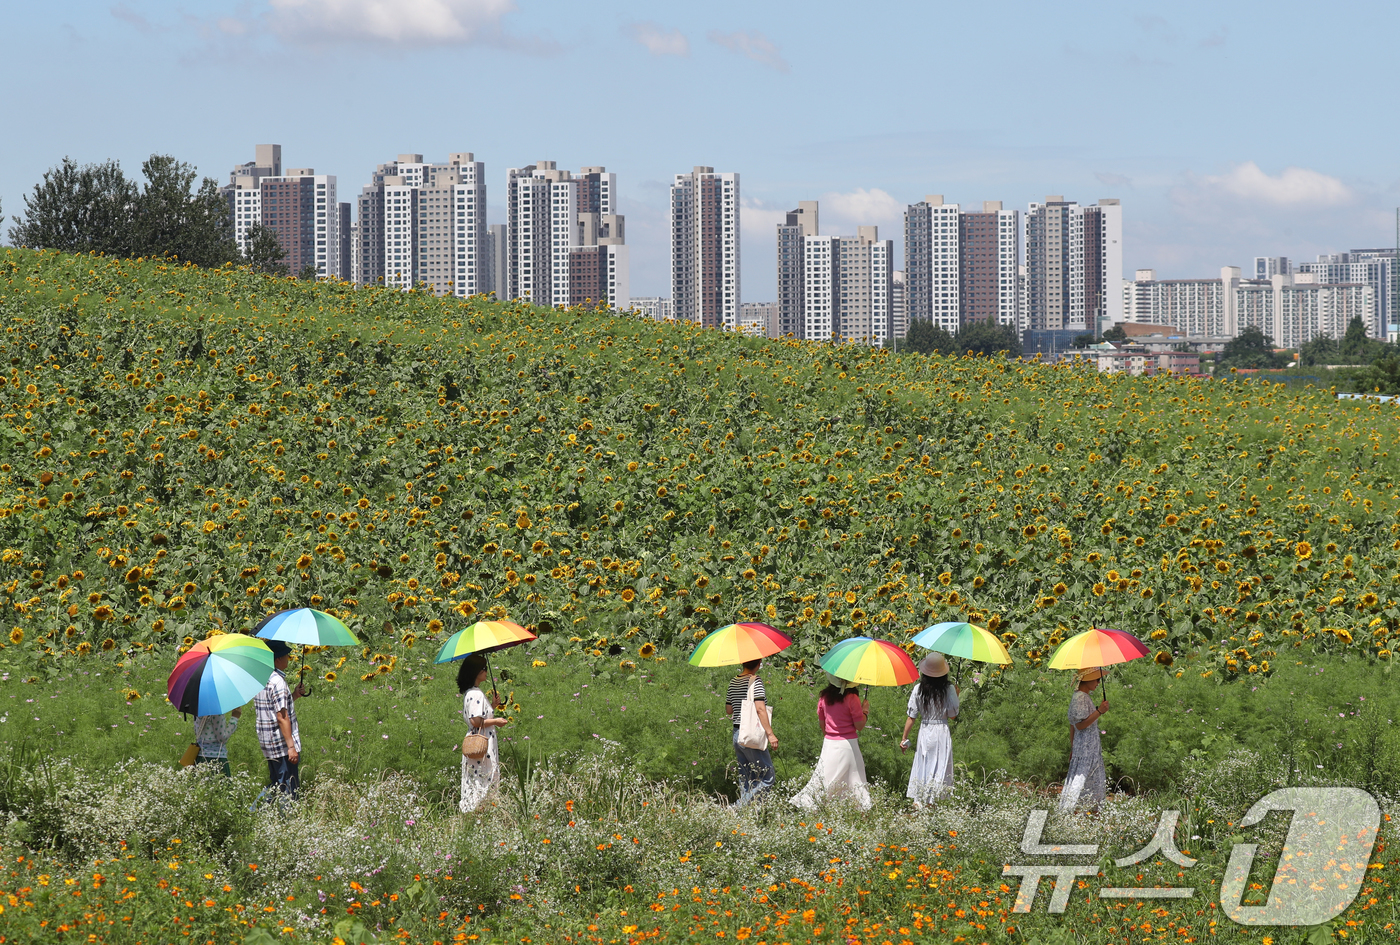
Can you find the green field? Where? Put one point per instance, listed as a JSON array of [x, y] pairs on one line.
[[187, 450]]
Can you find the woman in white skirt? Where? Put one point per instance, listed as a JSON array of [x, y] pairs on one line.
[[479, 775], [934, 703], [1086, 782], [841, 768]]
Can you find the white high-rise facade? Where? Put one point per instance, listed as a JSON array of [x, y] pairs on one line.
[[705, 282], [1295, 308], [1195, 307], [800, 223], [1373, 267], [564, 240], [1074, 264], [961, 265], [848, 288]]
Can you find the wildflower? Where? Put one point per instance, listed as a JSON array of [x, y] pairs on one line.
[[538, 664]]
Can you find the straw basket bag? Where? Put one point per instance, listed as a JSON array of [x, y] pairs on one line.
[[475, 745]]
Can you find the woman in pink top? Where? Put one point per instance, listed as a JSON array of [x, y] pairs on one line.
[[840, 771]]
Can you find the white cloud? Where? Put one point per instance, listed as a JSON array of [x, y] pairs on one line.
[[395, 22], [752, 44], [1293, 187], [660, 41], [860, 207]]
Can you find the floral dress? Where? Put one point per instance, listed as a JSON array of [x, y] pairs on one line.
[[481, 774], [1086, 783]]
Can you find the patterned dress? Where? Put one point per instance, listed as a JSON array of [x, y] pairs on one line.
[[479, 776], [1086, 783]]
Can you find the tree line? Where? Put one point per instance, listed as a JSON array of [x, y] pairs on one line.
[[96, 208], [979, 337]]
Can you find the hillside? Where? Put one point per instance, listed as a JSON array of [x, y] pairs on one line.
[[188, 449]]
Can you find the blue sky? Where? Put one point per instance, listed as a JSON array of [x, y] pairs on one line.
[[1227, 129]]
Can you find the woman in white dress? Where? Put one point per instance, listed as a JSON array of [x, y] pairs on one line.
[[1086, 783], [934, 702], [840, 772], [479, 775]]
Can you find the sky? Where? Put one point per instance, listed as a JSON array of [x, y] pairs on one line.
[[1227, 129]]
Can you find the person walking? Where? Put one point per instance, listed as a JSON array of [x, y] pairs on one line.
[[211, 733], [840, 771], [276, 722], [479, 775], [1086, 782], [934, 703], [755, 764]]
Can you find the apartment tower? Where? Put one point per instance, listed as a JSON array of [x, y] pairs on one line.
[[800, 223], [961, 266], [848, 288], [1074, 264], [705, 248]]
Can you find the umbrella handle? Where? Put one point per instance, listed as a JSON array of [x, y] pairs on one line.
[[301, 682]]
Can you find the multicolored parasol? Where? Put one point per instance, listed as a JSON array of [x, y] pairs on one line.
[[739, 643], [307, 627], [484, 636], [965, 641], [870, 662], [1097, 647], [219, 674]]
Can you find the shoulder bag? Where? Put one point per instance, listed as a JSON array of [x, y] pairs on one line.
[[751, 733]]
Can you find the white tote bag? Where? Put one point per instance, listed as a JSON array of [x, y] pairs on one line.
[[751, 733]]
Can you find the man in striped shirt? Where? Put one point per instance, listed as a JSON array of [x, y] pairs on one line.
[[278, 735]]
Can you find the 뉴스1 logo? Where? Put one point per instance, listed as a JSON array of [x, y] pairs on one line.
[[1320, 870]]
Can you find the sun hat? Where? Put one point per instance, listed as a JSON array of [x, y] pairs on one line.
[[1089, 674], [836, 681], [279, 648], [934, 664]]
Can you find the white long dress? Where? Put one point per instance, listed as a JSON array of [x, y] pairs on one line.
[[481, 775], [932, 772], [1086, 783]]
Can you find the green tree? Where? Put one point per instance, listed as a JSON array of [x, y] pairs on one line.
[[1250, 349], [263, 251], [78, 209], [171, 219], [308, 273], [1116, 333], [1320, 350], [1083, 340], [1381, 376], [988, 338], [927, 338]]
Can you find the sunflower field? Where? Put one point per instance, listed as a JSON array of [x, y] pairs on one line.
[[187, 450]]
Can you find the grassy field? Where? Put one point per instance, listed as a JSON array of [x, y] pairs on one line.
[[187, 450]]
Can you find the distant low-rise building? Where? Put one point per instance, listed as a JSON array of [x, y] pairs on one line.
[[759, 318], [653, 306], [1138, 359]]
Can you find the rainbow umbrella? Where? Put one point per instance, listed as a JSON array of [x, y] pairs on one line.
[[872, 662], [1097, 647], [964, 641], [739, 643], [219, 674], [484, 636], [305, 626]]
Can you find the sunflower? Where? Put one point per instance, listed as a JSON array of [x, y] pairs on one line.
[[1099, 589], [330, 676], [16, 636], [103, 613], [1163, 658], [1060, 589], [109, 644], [1369, 599], [647, 651], [628, 594]]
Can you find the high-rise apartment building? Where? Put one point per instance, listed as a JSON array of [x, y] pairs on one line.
[[495, 258], [961, 266], [552, 214], [848, 287], [1074, 264], [1373, 267], [799, 223], [244, 190], [705, 247], [1266, 267], [1295, 308], [1197, 307], [424, 224], [899, 310]]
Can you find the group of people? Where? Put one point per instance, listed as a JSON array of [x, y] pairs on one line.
[[841, 713]]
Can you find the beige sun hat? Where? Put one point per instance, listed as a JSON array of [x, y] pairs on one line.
[[1089, 674], [935, 664]]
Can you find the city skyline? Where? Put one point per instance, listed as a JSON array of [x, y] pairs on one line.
[[1234, 189]]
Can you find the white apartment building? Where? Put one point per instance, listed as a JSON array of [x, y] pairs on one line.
[[962, 266], [899, 311], [546, 226], [1197, 307], [494, 258], [1373, 267], [244, 190], [848, 288], [424, 224], [653, 306], [705, 277], [1074, 264], [1295, 308], [798, 224]]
